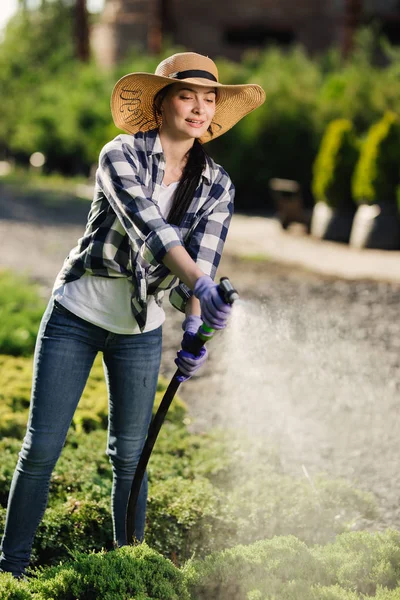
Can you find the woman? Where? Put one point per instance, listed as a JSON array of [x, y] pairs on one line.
[[160, 213]]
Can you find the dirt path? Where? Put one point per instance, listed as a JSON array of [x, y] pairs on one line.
[[314, 369]]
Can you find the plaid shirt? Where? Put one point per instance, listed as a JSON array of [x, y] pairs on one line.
[[126, 235]]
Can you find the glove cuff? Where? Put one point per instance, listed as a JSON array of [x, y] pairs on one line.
[[202, 284], [191, 324]]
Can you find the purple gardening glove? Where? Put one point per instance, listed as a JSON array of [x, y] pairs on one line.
[[214, 311], [187, 362]]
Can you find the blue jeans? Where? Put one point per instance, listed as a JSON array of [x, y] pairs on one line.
[[65, 350]]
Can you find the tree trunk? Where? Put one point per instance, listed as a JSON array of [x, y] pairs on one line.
[[154, 38], [351, 21], [81, 31]]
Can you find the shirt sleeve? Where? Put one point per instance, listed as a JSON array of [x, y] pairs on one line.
[[207, 242], [122, 175]]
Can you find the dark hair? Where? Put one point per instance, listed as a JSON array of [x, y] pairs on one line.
[[195, 163]]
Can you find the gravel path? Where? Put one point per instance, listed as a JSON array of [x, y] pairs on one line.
[[310, 363]]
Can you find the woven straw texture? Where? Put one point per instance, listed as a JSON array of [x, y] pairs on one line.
[[133, 95]]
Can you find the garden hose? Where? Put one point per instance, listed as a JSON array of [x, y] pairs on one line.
[[204, 333]]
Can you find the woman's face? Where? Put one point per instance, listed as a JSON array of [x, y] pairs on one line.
[[188, 110]]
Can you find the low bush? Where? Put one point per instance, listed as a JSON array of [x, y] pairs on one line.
[[12, 589], [335, 164], [15, 389], [265, 568], [247, 501], [361, 561], [203, 496], [21, 310], [377, 174], [74, 526], [276, 504], [130, 572], [183, 517], [356, 566]]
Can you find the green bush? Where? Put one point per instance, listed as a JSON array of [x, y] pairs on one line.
[[92, 412], [74, 526], [267, 567], [362, 561], [266, 143], [334, 165], [21, 310], [377, 174], [12, 589], [357, 89], [276, 504], [385, 594], [357, 565], [130, 572], [183, 518]]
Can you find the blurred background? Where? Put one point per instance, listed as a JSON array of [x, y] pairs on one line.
[[318, 60]]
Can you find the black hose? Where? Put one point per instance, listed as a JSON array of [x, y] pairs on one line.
[[229, 294], [152, 435]]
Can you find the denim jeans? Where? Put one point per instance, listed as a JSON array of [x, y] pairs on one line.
[[65, 350]]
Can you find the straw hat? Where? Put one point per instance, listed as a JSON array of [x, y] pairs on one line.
[[133, 95]]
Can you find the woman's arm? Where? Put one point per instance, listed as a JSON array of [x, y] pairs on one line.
[[181, 264]]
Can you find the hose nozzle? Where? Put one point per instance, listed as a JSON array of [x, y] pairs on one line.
[[227, 291], [228, 295]]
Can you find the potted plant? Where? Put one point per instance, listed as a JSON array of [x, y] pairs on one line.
[[332, 171], [375, 187]]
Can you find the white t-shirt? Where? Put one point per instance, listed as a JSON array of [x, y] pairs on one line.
[[105, 301]]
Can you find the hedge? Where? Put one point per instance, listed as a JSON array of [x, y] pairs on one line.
[[356, 566], [21, 309], [377, 174], [335, 164]]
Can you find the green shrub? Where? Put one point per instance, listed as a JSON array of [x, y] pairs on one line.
[[182, 517], [385, 594], [75, 526], [377, 174], [276, 504], [92, 412], [334, 165], [205, 494], [266, 566], [21, 310], [12, 589], [130, 572], [266, 143], [357, 565], [362, 561]]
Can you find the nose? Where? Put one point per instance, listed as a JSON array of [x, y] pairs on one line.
[[199, 106]]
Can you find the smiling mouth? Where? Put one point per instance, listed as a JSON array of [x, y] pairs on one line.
[[193, 122]]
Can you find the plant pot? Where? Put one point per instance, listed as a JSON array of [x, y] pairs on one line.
[[376, 226], [331, 224]]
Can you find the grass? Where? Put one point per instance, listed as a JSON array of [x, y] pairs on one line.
[[54, 186]]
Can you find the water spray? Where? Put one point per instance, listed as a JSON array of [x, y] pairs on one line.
[[229, 295]]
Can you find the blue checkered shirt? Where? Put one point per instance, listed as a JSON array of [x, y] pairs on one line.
[[126, 235]]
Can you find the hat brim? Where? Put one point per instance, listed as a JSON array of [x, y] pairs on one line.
[[133, 95]]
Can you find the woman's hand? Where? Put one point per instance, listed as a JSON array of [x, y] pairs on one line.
[[187, 362], [214, 310]]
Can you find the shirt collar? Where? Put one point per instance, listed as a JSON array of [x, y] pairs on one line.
[[153, 146]]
